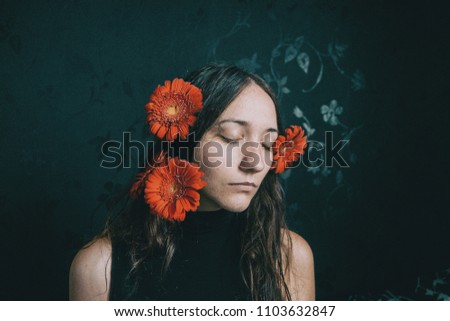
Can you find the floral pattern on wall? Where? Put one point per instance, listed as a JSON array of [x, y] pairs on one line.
[[76, 74]]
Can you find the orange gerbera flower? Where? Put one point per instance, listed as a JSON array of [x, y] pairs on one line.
[[172, 190], [139, 183], [287, 149], [172, 108]]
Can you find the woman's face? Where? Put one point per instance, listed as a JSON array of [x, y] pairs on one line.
[[235, 152]]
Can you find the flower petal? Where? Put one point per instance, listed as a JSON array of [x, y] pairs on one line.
[[188, 101], [171, 190]]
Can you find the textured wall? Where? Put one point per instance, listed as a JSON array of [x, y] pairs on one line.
[[75, 74]]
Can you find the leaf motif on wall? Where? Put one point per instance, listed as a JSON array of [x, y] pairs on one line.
[[313, 169], [438, 281], [309, 130], [325, 171], [267, 77], [443, 297], [336, 49], [282, 83], [429, 292], [249, 64], [340, 49], [298, 42], [275, 52], [358, 80], [286, 174], [298, 112], [303, 61], [290, 54]]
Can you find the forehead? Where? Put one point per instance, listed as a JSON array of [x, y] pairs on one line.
[[252, 106]]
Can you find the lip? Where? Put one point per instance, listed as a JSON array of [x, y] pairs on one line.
[[244, 184]]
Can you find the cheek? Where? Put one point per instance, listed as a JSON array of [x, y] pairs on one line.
[[214, 189], [268, 157], [217, 177], [263, 174]]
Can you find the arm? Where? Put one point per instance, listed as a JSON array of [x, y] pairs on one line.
[[300, 275], [90, 272]]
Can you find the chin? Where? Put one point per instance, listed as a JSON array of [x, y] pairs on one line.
[[236, 205], [236, 209]]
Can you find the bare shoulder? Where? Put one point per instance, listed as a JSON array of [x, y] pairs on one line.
[[300, 273], [90, 272]]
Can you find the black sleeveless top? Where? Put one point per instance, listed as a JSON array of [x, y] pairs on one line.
[[205, 265]]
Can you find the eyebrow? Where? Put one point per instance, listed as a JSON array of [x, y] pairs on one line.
[[243, 123]]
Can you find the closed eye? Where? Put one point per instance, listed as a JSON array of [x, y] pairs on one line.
[[230, 140]]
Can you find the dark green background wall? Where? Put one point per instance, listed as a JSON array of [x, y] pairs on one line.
[[75, 74]]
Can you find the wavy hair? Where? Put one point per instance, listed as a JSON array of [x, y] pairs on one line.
[[265, 246]]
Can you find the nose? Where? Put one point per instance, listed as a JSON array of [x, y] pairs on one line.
[[252, 160]]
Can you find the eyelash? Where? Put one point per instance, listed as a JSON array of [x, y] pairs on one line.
[[230, 141], [234, 142]]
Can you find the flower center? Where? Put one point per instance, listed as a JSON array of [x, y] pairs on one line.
[[285, 146], [172, 109], [173, 188]]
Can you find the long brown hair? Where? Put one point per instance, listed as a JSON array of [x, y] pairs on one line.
[[264, 249]]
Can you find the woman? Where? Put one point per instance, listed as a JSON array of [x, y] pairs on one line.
[[224, 236]]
